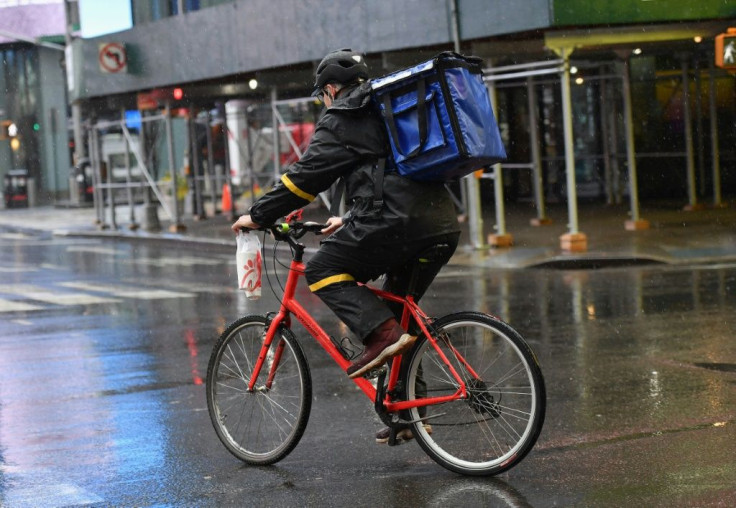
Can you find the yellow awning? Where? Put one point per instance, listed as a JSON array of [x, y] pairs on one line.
[[605, 37]]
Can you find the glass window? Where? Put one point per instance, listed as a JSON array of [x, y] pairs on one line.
[[211, 3]]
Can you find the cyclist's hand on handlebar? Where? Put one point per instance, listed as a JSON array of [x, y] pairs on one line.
[[244, 222], [333, 224]]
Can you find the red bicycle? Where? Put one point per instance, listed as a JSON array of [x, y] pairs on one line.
[[471, 388]]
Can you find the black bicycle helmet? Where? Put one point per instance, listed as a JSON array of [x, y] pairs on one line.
[[341, 66]]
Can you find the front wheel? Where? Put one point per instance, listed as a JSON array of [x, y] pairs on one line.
[[263, 425], [498, 423]]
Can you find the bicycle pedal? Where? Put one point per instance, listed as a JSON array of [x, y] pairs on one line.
[[374, 373], [399, 437], [398, 442]]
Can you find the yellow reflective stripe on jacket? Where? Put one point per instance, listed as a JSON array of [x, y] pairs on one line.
[[334, 279], [296, 190]]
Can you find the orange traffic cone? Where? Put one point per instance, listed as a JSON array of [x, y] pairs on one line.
[[227, 201]]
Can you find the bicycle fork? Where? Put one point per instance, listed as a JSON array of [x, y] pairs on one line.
[[273, 324]]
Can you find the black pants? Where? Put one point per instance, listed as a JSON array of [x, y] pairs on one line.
[[334, 271]]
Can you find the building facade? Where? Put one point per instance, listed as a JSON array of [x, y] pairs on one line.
[[33, 102], [212, 50], [257, 51]]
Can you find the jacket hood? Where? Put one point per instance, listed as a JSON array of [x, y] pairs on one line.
[[353, 98]]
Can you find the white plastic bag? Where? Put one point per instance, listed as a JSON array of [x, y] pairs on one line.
[[248, 261]]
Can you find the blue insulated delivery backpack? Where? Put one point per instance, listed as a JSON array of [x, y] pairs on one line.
[[439, 118]]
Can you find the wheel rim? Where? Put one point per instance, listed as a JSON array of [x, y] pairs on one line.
[[256, 424], [493, 426]]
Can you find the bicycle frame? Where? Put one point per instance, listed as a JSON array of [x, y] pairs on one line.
[[289, 306]]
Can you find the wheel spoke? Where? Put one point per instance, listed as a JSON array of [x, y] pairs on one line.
[[498, 422], [262, 425]]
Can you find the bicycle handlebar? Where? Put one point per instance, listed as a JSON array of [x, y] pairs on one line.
[[296, 230]]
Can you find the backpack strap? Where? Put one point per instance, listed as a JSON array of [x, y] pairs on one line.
[[337, 197], [388, 112], [378, 173]]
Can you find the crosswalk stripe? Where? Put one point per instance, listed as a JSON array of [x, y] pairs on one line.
[[40, 487], [40, 294], [177, 261], [127, 291], [187, 286], [58, 494], [17, 269], [14, 236], [13, 306]]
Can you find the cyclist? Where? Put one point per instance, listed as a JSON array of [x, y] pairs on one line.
[[379, 234]]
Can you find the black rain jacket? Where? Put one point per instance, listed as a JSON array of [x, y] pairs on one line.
[[348, 141]]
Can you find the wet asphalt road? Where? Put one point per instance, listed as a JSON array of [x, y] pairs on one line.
[[104, 348]]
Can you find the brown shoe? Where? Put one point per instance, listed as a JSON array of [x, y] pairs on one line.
[[385, 342]]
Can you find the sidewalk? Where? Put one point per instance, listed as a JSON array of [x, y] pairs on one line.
[[675, 236]]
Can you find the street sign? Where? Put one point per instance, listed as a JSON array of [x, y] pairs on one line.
[[146, 100], [113, 58], [726, 50]]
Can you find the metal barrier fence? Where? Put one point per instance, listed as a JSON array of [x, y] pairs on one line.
[[142, 169]]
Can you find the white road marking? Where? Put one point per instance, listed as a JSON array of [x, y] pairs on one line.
[[17, 269], [45, 295], [15, 236], [93, 249], [187, 286], [177, 261], [60, 494], [128, 291], [42, 488], [12, 306]]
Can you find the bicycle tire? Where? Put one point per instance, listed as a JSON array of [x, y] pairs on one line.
[[264, 425], [498, 424]]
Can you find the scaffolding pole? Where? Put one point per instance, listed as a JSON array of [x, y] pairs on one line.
[[715, 152], [177, 226], [690, 157], [536, 156], [635, 222], [574, 240]]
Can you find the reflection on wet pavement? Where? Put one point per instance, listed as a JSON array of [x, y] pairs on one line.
[[102, 402]]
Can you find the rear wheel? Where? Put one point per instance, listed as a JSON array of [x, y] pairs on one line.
[[264, 425], [498, 423]]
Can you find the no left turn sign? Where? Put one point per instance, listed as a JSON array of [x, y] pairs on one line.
[[112, 58]]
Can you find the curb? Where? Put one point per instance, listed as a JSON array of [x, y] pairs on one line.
[[516, 259]]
